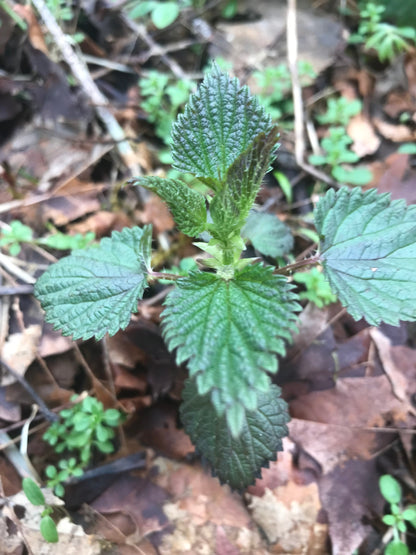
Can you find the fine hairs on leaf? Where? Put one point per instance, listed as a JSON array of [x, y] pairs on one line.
[[230, 318]]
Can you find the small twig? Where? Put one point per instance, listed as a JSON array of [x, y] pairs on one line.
[[290, 268], [83, 76], [141, 31], [16, 290], [9, 264], [49, 415], [163, 275], [292, 56]]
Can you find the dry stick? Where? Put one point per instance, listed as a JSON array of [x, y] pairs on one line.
[[292, 57], [16, 290], [49, 415], [140, 31], [83, 76]]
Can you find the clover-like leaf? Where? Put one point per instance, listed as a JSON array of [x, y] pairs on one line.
[[220, 122], [187, 206], [230, 331], [94, 291], [231, 205], [368, 252], [236, 461], [268, 234]]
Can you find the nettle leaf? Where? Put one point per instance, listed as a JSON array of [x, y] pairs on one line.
[[268, 234], [236, 461], [368, 252], [219, 123], [94, 291], [230, 206], [230, 332], [187, 206]]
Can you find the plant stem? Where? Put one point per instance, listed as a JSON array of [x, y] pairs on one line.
[[290, 268], [153, 276]]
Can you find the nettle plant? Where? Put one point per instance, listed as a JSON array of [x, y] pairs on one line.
[[229, 320]]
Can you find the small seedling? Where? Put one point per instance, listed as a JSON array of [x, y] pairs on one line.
[[384, 38], [36, 497], [163, 99], [275, 86], [81, 428], [339, 111], [162, 14], [13, 236], [230, 319], [318, 290], [398, 517], [336, 152]]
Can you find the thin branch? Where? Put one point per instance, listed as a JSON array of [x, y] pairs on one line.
[[17, 290], [292, 57], [290, 268], [163, 275], [81, 73], [49, 415]]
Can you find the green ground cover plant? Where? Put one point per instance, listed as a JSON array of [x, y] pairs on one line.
[[36, 497], [231, 318], [399, 516], [386, 39], [81, 429], [337, 155], [13, 236]]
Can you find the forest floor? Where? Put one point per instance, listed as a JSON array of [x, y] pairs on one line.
[[84, 106]]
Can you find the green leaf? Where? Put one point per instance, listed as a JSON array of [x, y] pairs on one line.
[[353, 176], [317, 159], [390, 520], [368, 252], [220, 122], [236, 461], [407, 148], [230, 332], [401, 526], [94, 291], [390, 488], [62, 241], [48, 529], [139, 9], [230, 206], [268, 234], [164, 14], [285, 185], [59, 490], [33, 491], [187, 206], [112, 417], [102, 433], [396, 548], [410, 514], [51, 471]]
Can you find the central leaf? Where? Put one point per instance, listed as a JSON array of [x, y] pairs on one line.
[[230, 332], [220, 122], [230, 206]]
